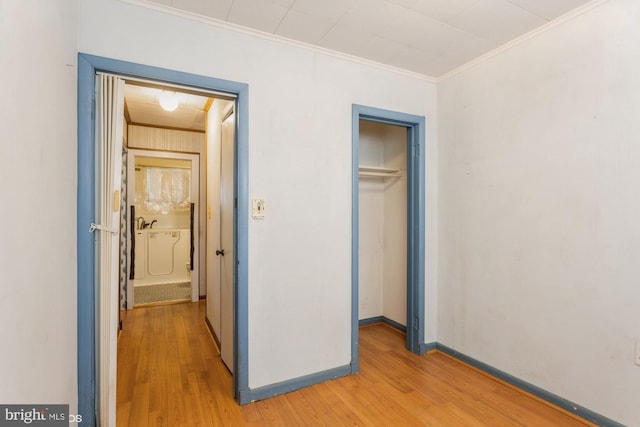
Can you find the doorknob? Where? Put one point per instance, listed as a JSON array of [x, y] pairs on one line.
[[220, 252]]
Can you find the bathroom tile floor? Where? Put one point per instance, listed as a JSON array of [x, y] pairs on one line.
[[165, 292]]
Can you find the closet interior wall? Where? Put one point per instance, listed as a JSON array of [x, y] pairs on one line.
[[383, 222]]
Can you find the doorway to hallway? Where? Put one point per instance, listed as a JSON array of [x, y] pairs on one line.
[[169, 372], [89, 342]]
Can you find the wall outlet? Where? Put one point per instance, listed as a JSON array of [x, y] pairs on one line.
[[636, 359]]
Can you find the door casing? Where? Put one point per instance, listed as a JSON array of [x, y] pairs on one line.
[[415, 126], [88, 65]]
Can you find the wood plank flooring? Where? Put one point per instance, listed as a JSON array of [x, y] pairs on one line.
[[170, 374]]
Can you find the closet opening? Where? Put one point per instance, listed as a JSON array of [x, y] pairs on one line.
[[388, 224], [382, 221]]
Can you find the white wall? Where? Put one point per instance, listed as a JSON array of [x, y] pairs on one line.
[[37, 183], [539, 236], [299, 158]]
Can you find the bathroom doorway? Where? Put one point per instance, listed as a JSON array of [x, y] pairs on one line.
[[162, 243]]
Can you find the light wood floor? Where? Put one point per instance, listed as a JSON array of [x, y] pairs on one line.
[[169, 374]]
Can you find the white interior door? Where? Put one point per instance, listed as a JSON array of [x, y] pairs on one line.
[[109, 128], [226, 240]]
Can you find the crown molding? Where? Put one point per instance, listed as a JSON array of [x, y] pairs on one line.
[[275, 38], [149, 4]]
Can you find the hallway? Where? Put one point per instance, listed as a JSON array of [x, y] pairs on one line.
[[169, 374]]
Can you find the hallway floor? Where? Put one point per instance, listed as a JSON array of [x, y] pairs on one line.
[[170, 374]]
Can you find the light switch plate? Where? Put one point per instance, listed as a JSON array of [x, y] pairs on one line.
[[257, 208]]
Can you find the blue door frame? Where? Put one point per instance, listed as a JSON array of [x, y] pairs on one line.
[[415, 126], [88, 65]]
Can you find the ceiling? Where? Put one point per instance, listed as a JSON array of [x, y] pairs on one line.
[[143, 108], [430, 37]]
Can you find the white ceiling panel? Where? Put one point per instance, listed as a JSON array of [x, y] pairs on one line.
[[144, 109], [412, 29], [410, 58], [424, 33], [379, 49], [407, 4], [455, 40], [263, 15], [344, 39], [430, 37], [371, 16], [438, 65], [442, 10], [469, 48], [283, 3], [548, 9], [497, 20], [303, 27], [218, 9], [331, 10]]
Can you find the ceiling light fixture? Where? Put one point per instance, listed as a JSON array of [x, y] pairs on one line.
[[168, 100]]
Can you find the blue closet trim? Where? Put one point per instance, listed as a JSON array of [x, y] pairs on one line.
[[415, 222]]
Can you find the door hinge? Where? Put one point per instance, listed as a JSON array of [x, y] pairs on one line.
[[235, 202]]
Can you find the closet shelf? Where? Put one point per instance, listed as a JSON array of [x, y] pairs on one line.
[[378, 172]]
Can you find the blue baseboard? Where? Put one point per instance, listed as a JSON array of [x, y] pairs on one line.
[[530, 388], [427, 347], [370, 321], [385, 320], [294, 384], [250, 395]]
